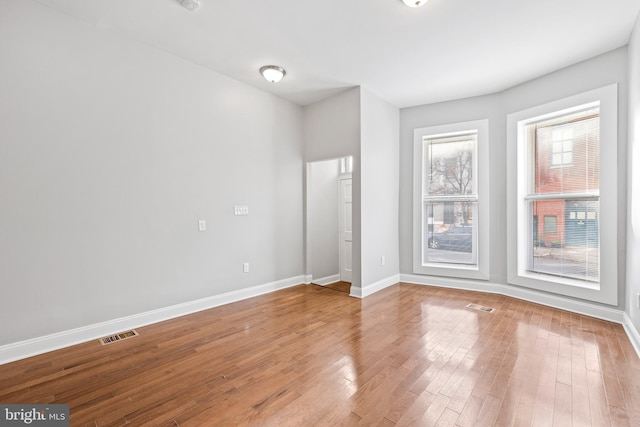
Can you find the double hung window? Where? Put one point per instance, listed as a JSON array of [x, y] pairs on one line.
[[562, 231], [564, 184], [448, 205]]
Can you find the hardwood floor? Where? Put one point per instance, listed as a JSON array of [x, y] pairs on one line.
[[310, 356], [339, 286]]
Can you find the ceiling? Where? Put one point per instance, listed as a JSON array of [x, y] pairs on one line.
[[447, 49]]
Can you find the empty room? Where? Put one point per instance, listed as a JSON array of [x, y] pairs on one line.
[[293, 213]]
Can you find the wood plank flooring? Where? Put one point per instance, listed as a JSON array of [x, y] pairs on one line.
[[339, 286], [310, 356]]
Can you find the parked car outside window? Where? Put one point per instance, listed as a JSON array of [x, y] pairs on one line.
[[458, 239]]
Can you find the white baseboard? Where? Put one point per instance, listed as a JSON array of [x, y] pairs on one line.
[[365, 291], [632, 332], [355, 291], [326, 280], [556, 301], [40, 345], [307, 279]]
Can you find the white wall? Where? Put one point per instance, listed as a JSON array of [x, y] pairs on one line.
[[322, 218], [633, 191], [332, 127], [110, 152], [591, 74], [379, 189], [359, 124], [332, 130]]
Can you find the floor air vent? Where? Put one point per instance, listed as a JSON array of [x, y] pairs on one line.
[[118, 337], [481, 308]]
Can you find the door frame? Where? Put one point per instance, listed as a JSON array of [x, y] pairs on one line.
[[341, 178]]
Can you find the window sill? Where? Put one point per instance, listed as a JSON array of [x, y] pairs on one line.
[[589, 291], [558, 280], [459, 271]]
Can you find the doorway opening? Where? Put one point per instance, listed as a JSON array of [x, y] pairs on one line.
[[329, 223]]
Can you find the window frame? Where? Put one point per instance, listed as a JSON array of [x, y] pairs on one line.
[[518, 232], [479, 270]]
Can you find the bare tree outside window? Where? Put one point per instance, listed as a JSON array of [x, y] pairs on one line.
[[452, 170], [450, 173]]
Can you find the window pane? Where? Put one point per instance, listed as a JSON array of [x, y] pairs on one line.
[[571, 248], [550, 224], [346, 164], [450, 232], [449, 165], [567, 154]]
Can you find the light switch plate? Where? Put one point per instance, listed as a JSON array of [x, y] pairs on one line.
[[241, 210]]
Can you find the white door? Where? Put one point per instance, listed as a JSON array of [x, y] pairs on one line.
[[346, 229]]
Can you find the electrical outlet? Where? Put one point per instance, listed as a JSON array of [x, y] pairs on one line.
[[202, 225], [245, 267], [382, 260]]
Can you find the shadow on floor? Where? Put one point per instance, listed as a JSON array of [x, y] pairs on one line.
[[339, 286]]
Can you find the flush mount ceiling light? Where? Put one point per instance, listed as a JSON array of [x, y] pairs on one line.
[[190, 4], [272, 73], [414, 3]]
